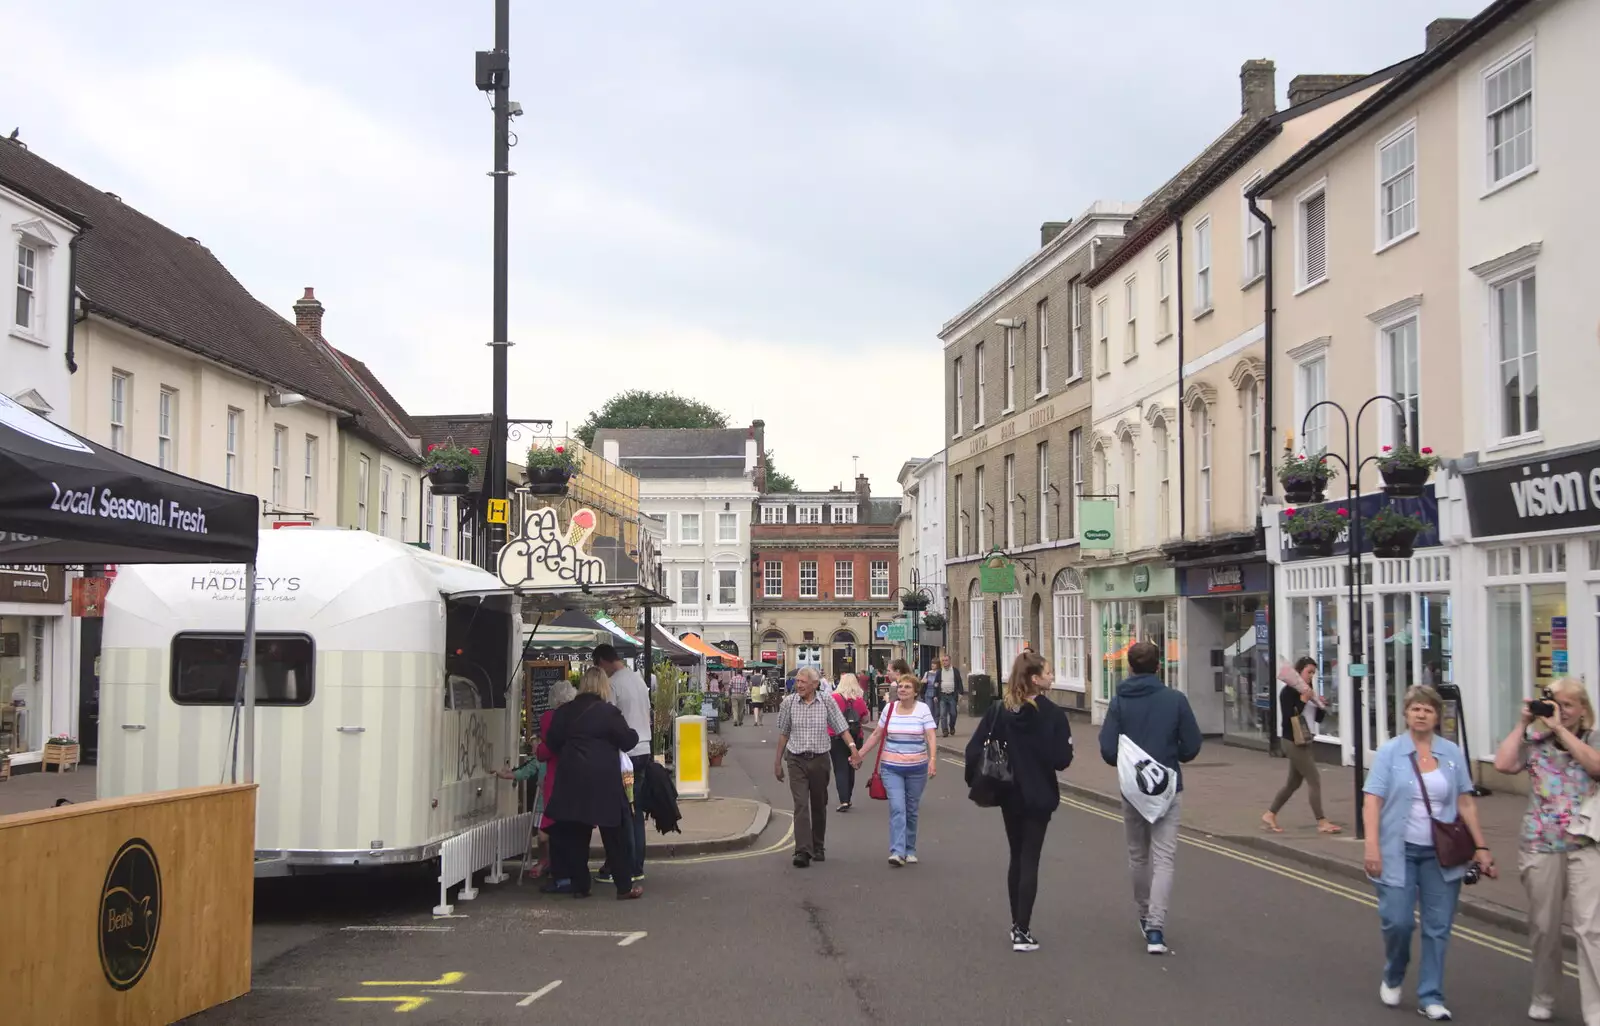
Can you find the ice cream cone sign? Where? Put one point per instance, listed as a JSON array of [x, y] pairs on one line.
[[580, 527]]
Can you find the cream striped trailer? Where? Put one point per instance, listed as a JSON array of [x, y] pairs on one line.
[[385, 694]]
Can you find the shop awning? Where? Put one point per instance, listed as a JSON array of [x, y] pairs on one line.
[[612, 626], [695, 642], [675, 651]]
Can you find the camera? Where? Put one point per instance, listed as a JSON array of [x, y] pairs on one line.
[[1545, 706], [1474, 874]]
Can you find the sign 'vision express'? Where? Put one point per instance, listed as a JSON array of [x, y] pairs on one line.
[[543, 558], [1544, 494]]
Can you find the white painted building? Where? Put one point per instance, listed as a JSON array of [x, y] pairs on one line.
[[702, 483], [922, 532], [36, 628]]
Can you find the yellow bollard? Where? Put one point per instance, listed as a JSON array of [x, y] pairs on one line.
[[691, 763]]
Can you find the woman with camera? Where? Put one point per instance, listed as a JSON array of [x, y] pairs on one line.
[[1553, 742], [1422, 839]]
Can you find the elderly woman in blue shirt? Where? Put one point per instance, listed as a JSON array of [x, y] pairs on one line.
[[1400, 856]]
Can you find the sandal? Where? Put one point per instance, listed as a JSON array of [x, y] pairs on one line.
[[1330, 828], [1270, 822], [637, 892]]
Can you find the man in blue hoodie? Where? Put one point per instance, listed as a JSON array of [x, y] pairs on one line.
[[1159, 720]]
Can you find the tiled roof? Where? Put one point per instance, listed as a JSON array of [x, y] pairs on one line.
[[471, 430], [668, 442], [370, 381], [136, 271]]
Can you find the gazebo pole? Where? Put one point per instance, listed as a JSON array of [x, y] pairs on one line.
[[249, 683]]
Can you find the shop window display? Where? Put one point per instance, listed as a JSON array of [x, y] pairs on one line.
[[1314, 632], [22, 683]]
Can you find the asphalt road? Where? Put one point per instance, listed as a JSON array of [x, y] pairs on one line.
[[745, 937]]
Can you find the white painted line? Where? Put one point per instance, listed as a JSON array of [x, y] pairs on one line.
[[285, 987], [627, 938], [536, 995], [482, 993], [398, 929], [458, 915]]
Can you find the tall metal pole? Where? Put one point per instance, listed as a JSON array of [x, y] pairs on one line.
[[494, 76]]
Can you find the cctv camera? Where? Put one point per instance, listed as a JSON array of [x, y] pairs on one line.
[[513, 108]]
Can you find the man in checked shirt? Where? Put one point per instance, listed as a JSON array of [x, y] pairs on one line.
[[803, 722]]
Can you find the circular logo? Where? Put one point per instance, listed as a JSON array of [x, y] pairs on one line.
[[1141, 578], [1152, 776], [130, 914]]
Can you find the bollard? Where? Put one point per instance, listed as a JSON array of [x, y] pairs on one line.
[[692, 764]]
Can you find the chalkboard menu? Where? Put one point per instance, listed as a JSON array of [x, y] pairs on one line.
[[539, 677]]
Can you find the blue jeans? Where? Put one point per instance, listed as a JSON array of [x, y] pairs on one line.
[[904, 784], [947, 713], [1425, 884]]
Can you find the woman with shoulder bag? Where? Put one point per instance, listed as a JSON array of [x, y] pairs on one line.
[[1422, 833], [1558, 858], [848, 698], [1038, 744], [1294, 698], [907, 761]]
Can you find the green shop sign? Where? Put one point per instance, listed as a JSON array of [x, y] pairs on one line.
[[1145, 580], [1097, 522], [997, 576]]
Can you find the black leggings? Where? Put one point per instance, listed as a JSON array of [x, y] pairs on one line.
[[844, 774], [1025, 835]]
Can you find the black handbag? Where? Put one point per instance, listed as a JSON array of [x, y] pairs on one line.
[[994, 778]]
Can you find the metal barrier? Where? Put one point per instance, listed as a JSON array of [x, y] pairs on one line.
[[485, 846]]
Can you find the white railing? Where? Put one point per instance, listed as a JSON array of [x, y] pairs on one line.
[[485, 846]]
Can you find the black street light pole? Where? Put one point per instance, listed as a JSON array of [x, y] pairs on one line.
[[1353, 466], [494, 77]]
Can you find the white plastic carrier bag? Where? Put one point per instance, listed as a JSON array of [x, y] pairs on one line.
[[1146, 784]]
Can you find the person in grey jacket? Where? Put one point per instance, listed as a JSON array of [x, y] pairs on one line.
[[1159, 720]]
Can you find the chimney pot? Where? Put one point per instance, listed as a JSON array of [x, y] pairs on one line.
[[308, 316], [1440, 29], [1258, 88]]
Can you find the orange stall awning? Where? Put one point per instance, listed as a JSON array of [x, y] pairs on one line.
[[711, 651]]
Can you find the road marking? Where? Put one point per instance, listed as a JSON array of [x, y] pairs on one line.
[[398, 929], [457, 915], [1466, 933], [536, 995], [627, 938], [782, 843], [401, 1004], [444, 981]]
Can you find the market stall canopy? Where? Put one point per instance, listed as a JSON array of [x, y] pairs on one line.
[[712, 652], [65, 499], [568, 640], [612, 626], [675, 651]]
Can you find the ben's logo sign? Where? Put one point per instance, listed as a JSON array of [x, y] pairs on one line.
[[130, 914]]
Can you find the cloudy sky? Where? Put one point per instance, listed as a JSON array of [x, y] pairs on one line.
[[771, 207]]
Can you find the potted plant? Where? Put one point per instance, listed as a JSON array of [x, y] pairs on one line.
[[549, 469], [1406, 470], [934, 621], [1305, 479], [450, 467], [1315, 528], [1393, 532], [914, 601], [716, 748], [61, 752]]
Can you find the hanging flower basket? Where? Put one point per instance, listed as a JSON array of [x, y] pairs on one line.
[[1315, 530], [1406, 470], [914, 601], [549, 469], [933, 621], [1305, 479], [1393, 533], [450, 467]]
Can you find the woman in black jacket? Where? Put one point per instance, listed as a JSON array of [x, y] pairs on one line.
[[589, 735], [1038, 741]]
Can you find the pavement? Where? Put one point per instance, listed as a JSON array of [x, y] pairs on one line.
[[743, 937], [31, 788], [1227, 789]]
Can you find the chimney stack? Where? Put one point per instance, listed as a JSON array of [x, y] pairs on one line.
[[1258, 88], [1050, 229], [1305, 88], [758, 429], [1440, 29], [308, 316]]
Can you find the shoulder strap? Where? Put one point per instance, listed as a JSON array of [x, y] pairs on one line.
[[884, 742], [1422, 785]]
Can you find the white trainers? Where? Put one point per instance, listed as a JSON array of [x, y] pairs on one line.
[[1540, 1013], [1436, 1012], [911, 860], [1389, 995], [897, 860]]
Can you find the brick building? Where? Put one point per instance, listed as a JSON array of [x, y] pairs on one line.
[[825, 566], [1017, 401]]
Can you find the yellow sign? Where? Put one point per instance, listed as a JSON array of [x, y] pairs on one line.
[[499, 511], [690, 767]]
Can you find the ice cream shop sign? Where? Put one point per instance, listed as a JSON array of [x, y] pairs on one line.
[[545, 557]]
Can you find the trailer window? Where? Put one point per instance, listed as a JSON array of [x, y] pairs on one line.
[[205, 668]]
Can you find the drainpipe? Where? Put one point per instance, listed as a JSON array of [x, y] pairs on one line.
[[72, 304], [1274, 742], [1183, 464]]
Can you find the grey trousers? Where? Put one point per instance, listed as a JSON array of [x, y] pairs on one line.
[[1151, 848], [1302, 766]]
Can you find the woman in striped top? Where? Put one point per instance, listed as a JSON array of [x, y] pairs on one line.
[[906, 763]]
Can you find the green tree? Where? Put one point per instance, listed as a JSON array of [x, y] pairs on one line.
[[640, 408], [777, 480]]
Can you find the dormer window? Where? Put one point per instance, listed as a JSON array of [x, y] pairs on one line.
[[844, 514]]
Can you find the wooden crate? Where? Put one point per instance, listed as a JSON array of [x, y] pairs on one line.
[[62, 757]]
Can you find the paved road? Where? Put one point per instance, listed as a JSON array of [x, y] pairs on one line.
[[745, 937]]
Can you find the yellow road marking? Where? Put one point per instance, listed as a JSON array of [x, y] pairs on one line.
[[1466, 933], [782, 843], [402, 1004], [447, 980]]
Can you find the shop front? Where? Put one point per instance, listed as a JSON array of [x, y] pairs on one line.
[[1130, 603], [1229, 675], [1533, 578], [1408, 617], [35, 662]]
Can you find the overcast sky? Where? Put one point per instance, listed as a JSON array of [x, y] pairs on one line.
[[771, 207]]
